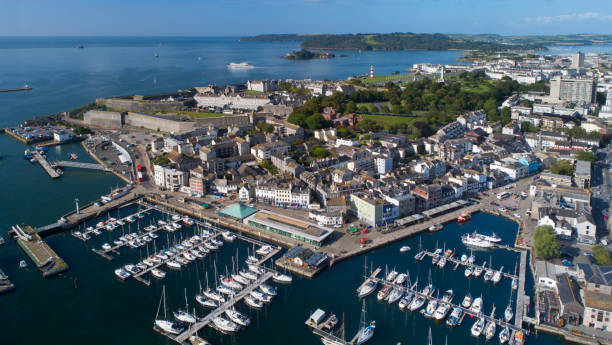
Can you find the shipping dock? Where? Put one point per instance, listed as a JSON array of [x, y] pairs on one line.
[[45, 259]]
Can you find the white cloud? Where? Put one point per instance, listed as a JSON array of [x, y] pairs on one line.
[[568, 17]]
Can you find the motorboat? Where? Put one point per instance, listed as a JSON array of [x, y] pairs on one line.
[[504, 335], [463, 218], [173, 264], [148, 262], [490, 330], [228, 236], [430, 310], [478, 327], [198, 254], [252, 259], [238, 317], [467, 301], [260, 296], [435, 227], [256, 269], [514, 284], [157, 273], [252, 302], [181, 260], [477, 271], [184, 316], [189, 256], [232, 284], [176, 217], [405, 301], [132, 269], [404, 249], [464, 258], [216, 242], [488, 276], [455, 317], [122, 274], [187, 221], [169, 326], [366, 289], [142, 266], [206, 302], [476, 307], [264, 250], [448, 296], [239, 66], [383, 293], [468, 271], [155, 259], [106, 246], [267, 289], [225, 325], [417, 303], [442, 311], [162, 256], [210, 246], [420, 255]]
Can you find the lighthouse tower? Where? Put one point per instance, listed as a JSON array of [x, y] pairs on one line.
[[371, 71]]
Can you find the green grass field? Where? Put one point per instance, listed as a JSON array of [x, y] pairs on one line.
[[385, 120], [385, 78]]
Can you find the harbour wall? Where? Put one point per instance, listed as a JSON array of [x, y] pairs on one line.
[[126, 104]]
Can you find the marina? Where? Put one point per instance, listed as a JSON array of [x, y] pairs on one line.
[[458, 262]]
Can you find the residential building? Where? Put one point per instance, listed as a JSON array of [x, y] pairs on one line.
[[168, 178], [372, 210], [574, 89]]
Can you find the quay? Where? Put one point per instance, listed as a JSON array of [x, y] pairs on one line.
[[5, 284], [46, 165], [46, 260], [457, 262], [521, 299], [207, 320]]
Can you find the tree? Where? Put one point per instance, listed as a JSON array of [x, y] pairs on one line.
[[267, 164], [265, 127], [586, 156], [319, 152], [316, 121], [351, 107], [602, 256], [562, 167], [546, 243], [527, 126]]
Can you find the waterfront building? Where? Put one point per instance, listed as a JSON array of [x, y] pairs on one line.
[[168, 178], [372, 210], [197, 184], [302, 231], [572, 309]]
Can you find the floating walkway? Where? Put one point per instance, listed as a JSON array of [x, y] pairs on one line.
[[86, 235], [520, 299], [207, 320], [487, 318], [458, 262]]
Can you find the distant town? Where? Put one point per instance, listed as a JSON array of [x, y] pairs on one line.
[[337, 168]]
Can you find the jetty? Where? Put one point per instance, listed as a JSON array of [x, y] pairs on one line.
[[458, 262], [80, 165], [520, 296], [45, 259], [16, 89], [329, 323], [5, 284], [207, 320], [46, 165]]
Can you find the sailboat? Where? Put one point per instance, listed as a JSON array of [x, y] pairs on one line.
[[366, 331], [195, 339], [164, 324], [508, 313], [184, 315]]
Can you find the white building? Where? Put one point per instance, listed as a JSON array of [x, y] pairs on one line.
[[168, 178], [234, 102], [244, 194], [346, 142], [384, 164]]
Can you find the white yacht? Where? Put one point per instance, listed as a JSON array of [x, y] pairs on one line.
[[476, 307], [238, 317], [404, 249], [490, 330], [467, 301], [157, 273], [249, 275], [214, 295], [225, 325], [282, 278], [184, 316], [497, 276], [442, 311], [430, 310], [239, 66], [173, 264], [366, 289], [478, 327], [206, 302], [475, 240], [228, 236], [395, 295], [504, 335], [468, 271], [264, 250], [169, 326], [252, 302], [366, 331]]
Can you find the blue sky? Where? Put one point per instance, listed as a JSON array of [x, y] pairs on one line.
[[248, 17]]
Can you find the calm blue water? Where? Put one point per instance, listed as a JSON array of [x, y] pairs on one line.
[[87, 304]]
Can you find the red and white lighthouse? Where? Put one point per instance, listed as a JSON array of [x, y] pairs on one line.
[[371, 71]]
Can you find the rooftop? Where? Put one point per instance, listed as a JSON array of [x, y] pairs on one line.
[[238, 211]]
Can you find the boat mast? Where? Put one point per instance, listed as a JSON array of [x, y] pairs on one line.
[[429, 342], [186, 304]]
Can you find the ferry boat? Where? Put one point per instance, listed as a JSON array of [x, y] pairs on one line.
[[475, 240], [206, 302], [435, 227], [463, 218], [282, 278], [478, 327], [238, 317], [122, 274], [455, 317], [239, 66], [225, 325]]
